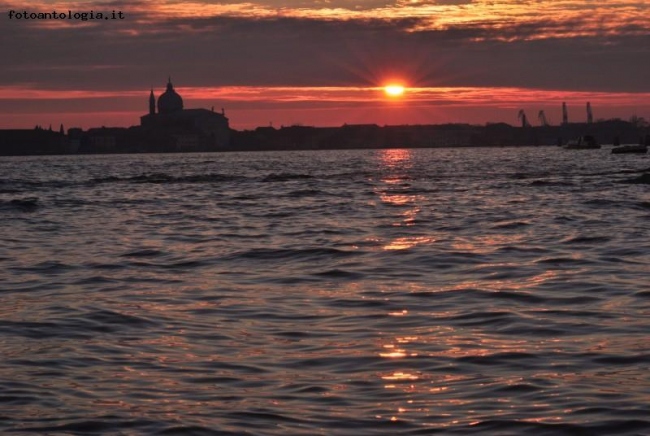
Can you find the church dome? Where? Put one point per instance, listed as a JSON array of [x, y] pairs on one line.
[[169, 101]]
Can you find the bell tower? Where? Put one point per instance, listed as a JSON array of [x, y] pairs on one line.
[[152, 103]]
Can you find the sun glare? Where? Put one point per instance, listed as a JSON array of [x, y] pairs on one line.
[[394, 90]]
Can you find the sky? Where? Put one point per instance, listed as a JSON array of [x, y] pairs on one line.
[[326, 62]]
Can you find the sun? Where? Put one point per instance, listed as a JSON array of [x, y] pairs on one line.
[[394, 90]]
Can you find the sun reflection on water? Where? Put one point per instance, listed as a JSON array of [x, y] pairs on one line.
[[396, 157], [406, 242], [396, 192]]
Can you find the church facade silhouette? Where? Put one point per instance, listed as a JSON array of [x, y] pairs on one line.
[[184, 129]]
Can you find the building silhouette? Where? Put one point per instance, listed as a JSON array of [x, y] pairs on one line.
[[169, 127], [174, 127]]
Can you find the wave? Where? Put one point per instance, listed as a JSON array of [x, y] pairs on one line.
[[307, 254], [550, 183], [82, 325], [26, 204], [599, 427], [643, 179], [588, 240], [285, 177], [306, 193], [143, 253], [163, 178], [511, 225], [148, 286], [99, 425]]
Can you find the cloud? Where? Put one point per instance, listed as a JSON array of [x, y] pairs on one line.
[[227, 50], [565, 18], [556, 45]]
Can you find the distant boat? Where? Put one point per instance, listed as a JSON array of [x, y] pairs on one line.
[[585, 142], [630, 149]]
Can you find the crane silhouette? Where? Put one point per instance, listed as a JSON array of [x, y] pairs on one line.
[[523, 118], [542, 118]]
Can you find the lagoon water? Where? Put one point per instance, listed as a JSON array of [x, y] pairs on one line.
[[445, 291]]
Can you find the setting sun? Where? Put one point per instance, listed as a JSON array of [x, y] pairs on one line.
[[394, 90]]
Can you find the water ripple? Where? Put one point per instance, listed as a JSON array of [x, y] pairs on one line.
[[351, 292]]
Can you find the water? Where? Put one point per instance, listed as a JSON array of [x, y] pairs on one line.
[[453, 291]]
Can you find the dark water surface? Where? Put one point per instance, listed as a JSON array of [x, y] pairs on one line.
[[479, 291]]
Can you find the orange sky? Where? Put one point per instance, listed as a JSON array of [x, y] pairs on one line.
[[326, 62]]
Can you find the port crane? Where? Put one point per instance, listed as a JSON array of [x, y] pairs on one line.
[[523, 118], [542, 118]]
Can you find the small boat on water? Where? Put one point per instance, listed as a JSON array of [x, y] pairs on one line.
[[585, 142], [631, 148]]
